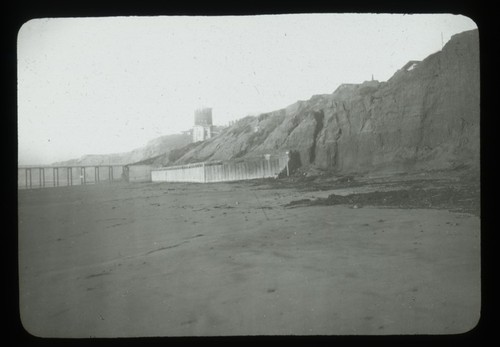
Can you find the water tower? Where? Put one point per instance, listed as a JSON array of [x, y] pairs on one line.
[[202, 129]]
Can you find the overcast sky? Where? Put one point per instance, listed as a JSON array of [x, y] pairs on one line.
[[108, 85]]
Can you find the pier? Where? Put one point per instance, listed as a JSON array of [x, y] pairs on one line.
[[32, 177]]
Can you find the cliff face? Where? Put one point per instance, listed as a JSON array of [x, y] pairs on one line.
[[160, 146], [425, 117]]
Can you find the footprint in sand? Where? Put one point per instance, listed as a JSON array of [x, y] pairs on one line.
[[98, 274], [190, 321]]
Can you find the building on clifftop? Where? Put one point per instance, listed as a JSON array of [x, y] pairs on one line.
[[203, 126]]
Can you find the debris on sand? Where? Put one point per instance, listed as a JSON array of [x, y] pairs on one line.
[[300, 202], [464, 199]]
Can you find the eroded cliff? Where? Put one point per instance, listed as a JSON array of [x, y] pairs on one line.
[[424, 117]]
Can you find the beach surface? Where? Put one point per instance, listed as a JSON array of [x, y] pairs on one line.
[[164, 259]]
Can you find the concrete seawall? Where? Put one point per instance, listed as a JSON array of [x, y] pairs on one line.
[[210, 172], [182, 173]]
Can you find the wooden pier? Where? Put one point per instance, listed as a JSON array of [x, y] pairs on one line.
[[30, 177]]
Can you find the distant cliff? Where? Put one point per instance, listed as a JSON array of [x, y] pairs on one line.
[[424, 117], [160, 146]]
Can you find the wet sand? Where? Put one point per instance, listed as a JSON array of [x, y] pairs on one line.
[[230, 259]]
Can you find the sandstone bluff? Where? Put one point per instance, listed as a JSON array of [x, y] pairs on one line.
[[425, 117]]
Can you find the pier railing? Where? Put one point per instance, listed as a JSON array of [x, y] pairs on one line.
[[31, 177]]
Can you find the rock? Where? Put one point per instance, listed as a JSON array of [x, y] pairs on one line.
[[425, 117]]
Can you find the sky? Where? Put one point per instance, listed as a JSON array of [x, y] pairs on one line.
[[111, 84]]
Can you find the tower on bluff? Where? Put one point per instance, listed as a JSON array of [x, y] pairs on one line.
[[203, 127]]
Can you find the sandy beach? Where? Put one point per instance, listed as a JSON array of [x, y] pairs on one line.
[[164, 259]]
